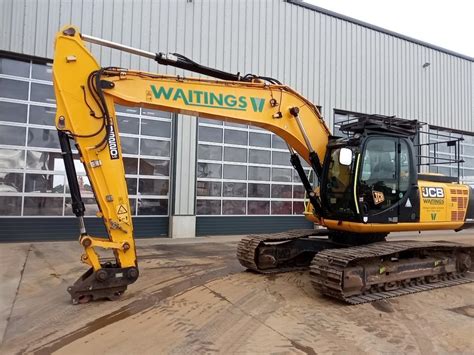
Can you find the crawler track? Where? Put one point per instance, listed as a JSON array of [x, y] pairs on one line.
[[359, 274], [330, 269], [251, 251]]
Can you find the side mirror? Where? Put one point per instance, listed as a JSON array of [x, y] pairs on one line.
[[345, 156]]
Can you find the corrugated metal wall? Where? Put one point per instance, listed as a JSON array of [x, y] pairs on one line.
[[335, 63]]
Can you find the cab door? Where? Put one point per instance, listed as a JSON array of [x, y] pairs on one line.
[[385, 188], [408, 189]]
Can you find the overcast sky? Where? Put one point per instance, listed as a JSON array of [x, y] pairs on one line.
[[447, 24]]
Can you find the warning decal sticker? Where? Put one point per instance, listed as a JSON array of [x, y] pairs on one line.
[[122, 213]]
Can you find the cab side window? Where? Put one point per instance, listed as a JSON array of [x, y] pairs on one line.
[[379, 161]]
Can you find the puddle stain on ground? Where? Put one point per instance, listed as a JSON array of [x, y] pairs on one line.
[[198, 250], [180, 267], [383, 306], [138, 306], [271, 277], [467, 311], [305, 349]]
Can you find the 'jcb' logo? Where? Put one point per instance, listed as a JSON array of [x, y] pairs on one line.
[[433, 192], [378, 197]]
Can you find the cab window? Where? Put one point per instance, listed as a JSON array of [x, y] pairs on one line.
[[379, 173], [379, 161], [339, 187]]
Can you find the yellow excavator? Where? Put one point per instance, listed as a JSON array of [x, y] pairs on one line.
[[367, 183]]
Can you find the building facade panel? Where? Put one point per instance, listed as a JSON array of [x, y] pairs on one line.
[[376, 72]]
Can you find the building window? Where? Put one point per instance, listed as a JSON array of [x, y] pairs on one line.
[[32, 175], [244, 170], [444, 155]]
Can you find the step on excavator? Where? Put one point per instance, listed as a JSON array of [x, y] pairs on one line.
[[367, 184]]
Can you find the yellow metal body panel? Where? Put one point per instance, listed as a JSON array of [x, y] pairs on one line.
[[72, 65], [249, 104], [443, 202], [389, 227]]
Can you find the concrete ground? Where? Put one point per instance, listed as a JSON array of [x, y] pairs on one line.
[[194, 297]]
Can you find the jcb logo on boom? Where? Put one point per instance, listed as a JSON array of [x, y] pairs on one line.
[[433, 192]]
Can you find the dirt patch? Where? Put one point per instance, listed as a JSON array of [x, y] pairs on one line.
[[465, 310]]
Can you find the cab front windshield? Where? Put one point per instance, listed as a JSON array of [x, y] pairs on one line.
[[339, 186]]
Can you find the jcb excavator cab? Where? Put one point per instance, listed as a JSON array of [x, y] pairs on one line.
[[371, 177]]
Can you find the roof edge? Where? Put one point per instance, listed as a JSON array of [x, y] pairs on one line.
[[24, 57], [301, 3]]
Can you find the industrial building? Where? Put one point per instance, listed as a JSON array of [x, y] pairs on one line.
[[188, 176]]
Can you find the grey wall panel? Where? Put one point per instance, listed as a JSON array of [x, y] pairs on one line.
[[30, 27], [51, 229], [337, 63], [471, 94], [54, 8], [223, 225], [17, 27], [184, 163], [5, 25]]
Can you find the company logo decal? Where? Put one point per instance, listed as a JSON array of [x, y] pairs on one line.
[[378, 197], [433, 196], [203, 98], [113, 149], [433, 192]]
